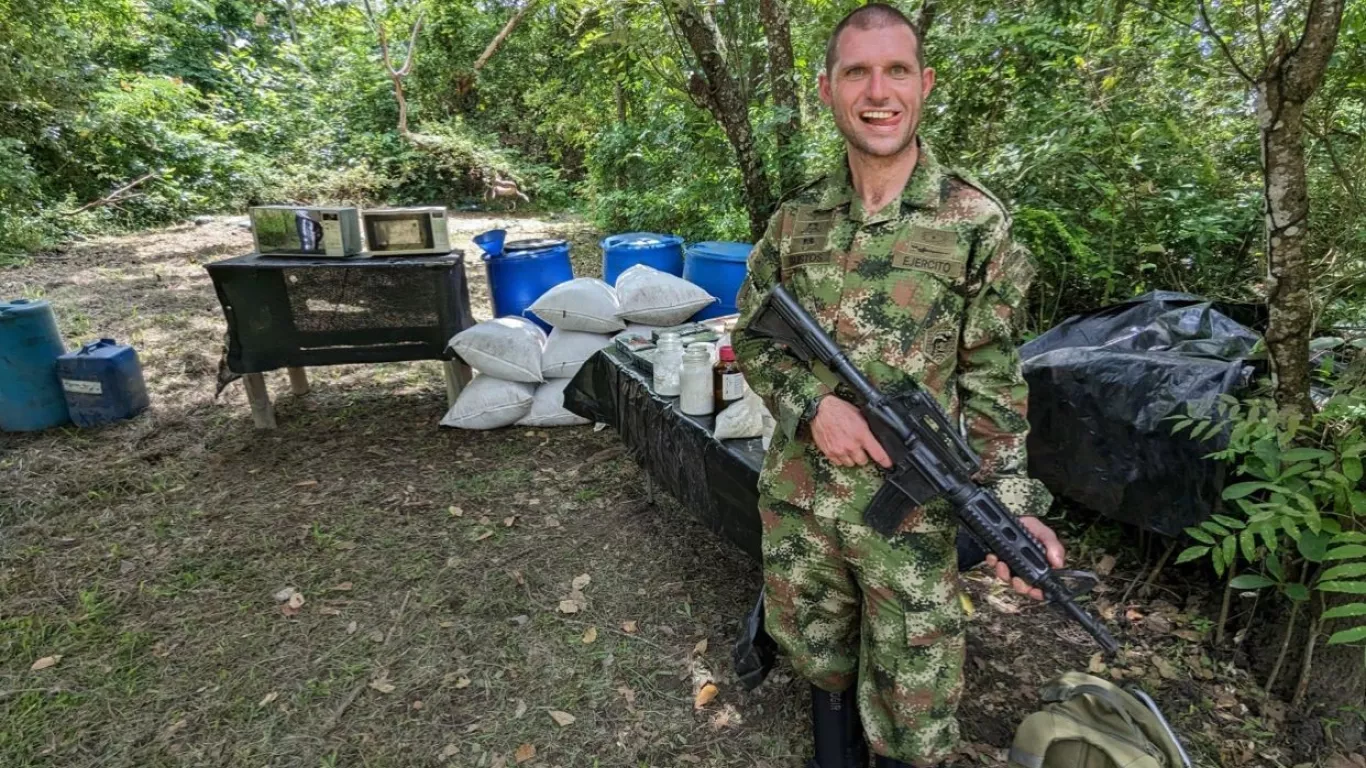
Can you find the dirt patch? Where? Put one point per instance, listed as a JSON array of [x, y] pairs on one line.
[[445, 618]]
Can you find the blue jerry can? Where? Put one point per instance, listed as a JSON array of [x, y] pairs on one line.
[[30, 394], [103, 382]]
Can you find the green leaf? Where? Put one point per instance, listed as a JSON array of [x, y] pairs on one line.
[[1350, 537], [1191, 553], [1344, 571], [1350, 587], [1230, 550], [1313, 546], [1342, 553], [1307, 454], [1345, 611], [1217, 555], [1249, 544], [1200, 536], [1229, 522], [1239, 490], [1353, 635], [1250, 581], [1352, 469], [1274, 567], [1297, 592], [1214, 528]]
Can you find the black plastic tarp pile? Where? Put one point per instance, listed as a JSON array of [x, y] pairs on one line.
[[1101, 388]]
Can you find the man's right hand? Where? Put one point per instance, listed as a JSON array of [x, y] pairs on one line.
[[842, 434]]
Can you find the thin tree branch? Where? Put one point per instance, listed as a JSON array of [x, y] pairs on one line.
[[1223, 44], [117, 196], [1261, 35]]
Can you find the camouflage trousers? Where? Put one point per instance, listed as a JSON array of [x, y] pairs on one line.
[[844, 601]]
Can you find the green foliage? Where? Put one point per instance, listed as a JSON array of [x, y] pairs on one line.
[[1299, 517]]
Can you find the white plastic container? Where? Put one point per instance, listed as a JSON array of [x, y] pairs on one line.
[[696, 396], [668, 365]]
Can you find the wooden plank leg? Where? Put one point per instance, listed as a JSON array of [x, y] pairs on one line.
[[298, 381], [262, 412], [457, 375]]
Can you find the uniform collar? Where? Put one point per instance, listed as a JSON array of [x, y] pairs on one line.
[[921, 191]]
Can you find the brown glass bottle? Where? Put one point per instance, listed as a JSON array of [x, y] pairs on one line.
[[728, 383]]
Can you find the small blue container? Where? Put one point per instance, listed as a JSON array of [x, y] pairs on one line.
[[103, 383], [524, 270], [719, 268], [30, 393], [621, 252]]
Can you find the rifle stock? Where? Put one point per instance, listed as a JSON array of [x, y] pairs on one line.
[[930, 460]]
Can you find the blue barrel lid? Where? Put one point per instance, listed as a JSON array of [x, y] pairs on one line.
[[723, 251], [640, 240], [22, 307], [526, 247]]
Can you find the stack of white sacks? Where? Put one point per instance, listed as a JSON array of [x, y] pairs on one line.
[[522, 373]]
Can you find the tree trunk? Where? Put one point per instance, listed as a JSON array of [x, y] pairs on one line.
[[783, 85], [1337, 678], [1287, 82], [717, 89], [465, 82]]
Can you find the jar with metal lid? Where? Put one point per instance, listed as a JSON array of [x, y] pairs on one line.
[[696, 397], [668, 365]]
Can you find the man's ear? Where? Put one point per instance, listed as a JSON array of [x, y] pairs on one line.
[[823, 87], [926, 82]]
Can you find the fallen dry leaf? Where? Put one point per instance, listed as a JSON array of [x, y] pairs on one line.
[[705, 695], [456, 511], [375, 636], [345, 586], [484, 535], [450, 750], [509, 521], [524, 753], [629, 627], [552, 522], [1105, 566], [701, 647], [569, 606], [562, 719], [382, 685], [418, 704], [589, 635], [580, 581], [521, 710], [518, 577], [463, 682], [628, 694], [1165, 668], [45, 662], [1002, 605], [1188, 635], [284, 594], [328, 610], [1097, 664], [351, 628], [306, 484], [268, 698]]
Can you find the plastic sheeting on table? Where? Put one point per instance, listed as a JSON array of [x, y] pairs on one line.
[[1101, 388]]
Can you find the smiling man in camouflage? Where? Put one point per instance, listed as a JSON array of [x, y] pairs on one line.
[[909, 266]]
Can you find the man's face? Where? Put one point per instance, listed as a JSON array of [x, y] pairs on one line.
[[876, 89]]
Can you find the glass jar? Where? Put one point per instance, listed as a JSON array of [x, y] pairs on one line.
[[668, 365], [728, 383], [696, 385]]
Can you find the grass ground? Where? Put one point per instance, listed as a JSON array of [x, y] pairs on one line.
[[152, 556]]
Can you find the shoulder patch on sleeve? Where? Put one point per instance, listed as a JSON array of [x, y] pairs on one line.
[[971, 181]]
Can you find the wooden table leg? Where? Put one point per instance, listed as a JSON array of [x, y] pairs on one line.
[[457, 375], [262, 412], [298, 381]]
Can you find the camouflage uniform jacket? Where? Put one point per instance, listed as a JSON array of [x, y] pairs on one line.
[[924, 289]]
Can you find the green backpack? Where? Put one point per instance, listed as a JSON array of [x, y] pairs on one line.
[[1091, 723]]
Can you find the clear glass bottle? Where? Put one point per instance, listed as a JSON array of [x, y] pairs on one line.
[[728, 383], [696, 397], [668, 365]]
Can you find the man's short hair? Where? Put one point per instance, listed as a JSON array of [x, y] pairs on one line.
[[873, 16]]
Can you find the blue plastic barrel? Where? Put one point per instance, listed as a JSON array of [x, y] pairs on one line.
[[718, 268], [621, 252], [30, 393], [103, 383], [523, 271]]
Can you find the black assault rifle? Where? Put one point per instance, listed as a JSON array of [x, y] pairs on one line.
[[930, 459]]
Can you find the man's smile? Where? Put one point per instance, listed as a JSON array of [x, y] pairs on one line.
[[881, 117]]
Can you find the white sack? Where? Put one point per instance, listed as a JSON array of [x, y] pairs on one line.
[[509, 348], [742, 418], [490, 403], [567, 351], [658, 298], [638, 329], [547, 409], [582, 304]]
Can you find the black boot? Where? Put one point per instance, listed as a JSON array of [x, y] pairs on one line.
[[836, 730]]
